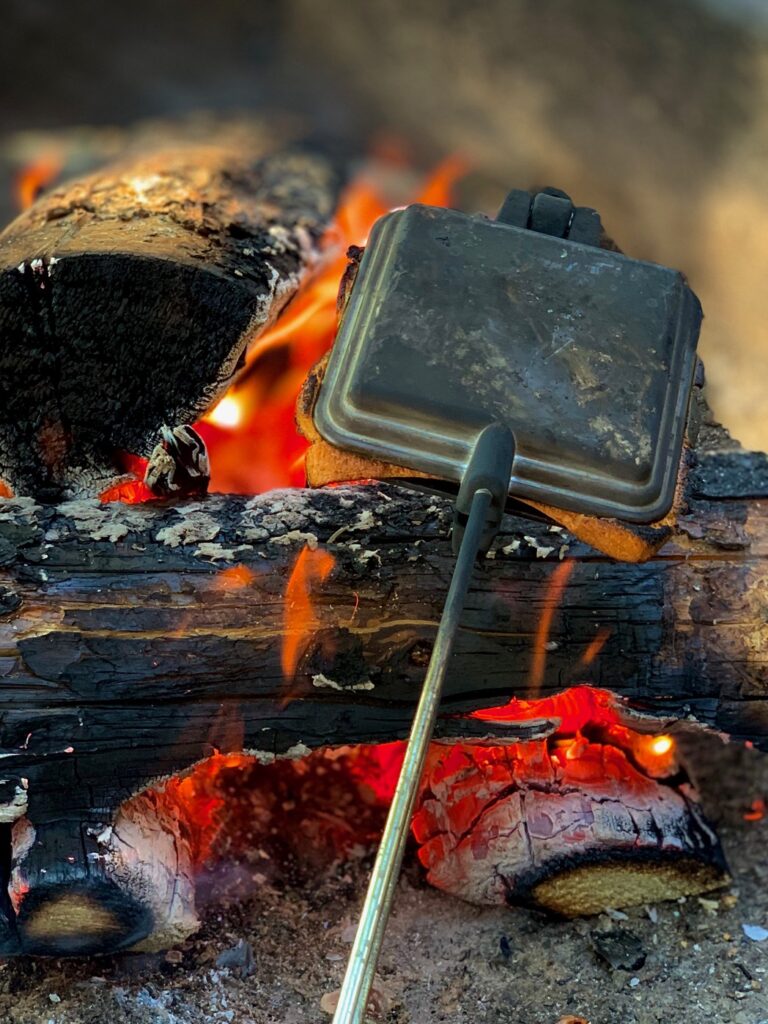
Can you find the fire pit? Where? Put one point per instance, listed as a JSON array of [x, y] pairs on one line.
[[141, 638]]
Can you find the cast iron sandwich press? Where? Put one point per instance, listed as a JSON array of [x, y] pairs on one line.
[[513, 357]]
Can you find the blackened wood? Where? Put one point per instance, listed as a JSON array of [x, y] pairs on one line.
[[131, 654], [127, 299], [128, 651], [88, 881]]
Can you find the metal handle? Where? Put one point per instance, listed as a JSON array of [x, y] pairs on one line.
[[358, 979]]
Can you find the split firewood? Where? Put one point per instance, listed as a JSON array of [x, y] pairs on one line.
[[128, 298]]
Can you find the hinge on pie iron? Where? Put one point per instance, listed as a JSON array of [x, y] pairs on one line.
[[510, 357]]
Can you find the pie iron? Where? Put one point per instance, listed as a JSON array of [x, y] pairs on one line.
[[456, 321]]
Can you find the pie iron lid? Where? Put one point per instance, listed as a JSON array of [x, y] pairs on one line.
[[457, 321]]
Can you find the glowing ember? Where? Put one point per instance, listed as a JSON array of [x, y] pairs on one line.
[[756, 810], [233, 805], [662, 745]]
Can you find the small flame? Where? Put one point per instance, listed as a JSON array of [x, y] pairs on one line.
[[33, 178], [756, 810], [557, 584], [595, 647], [310, 569]]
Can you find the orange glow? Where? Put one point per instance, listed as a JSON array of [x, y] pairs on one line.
[[310, 569], [33, 178], [226, 413], [557, 584], [573, 709], [198, 799], [656, 755], [235, 577], [130, 491], [756, 810], [251, 434], [661, 745], [5, 491]]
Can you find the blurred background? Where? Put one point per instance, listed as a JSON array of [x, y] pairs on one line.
[[653, 112]]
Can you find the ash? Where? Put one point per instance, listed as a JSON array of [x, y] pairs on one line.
[[272, 956]]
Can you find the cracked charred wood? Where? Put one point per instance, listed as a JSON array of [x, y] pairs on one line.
[[574, 835], [128, 298], [137, 640]]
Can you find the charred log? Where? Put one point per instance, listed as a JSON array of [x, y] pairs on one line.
[[137, 640], [127, 300]]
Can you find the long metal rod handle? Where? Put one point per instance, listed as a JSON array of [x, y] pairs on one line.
[[356, 987]]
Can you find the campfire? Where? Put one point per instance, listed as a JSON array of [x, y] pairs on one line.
[[181, 672]]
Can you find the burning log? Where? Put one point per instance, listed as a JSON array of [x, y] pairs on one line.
[[87, 881], [138, 640], [128, 299], [574, 829]]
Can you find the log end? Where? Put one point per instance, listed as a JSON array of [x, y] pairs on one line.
[[592, 887], [81, 919], [528, 825]]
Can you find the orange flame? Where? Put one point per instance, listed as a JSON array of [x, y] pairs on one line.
[[251, 435], [595, 647], [557, 584], [310, 569], [33, 178]]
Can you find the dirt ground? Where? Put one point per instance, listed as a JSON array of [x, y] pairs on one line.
[[443, 960]]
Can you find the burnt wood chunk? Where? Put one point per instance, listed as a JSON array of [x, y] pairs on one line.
[[92, 881], [520, 825], [128, 298]]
